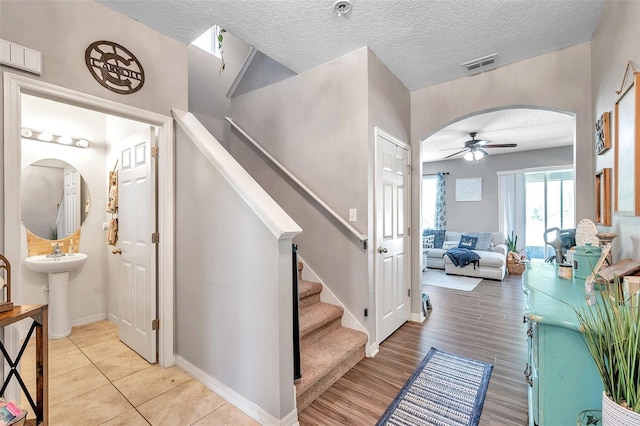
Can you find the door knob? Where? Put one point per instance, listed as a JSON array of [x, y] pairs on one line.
[[117, 251], [382, 250]]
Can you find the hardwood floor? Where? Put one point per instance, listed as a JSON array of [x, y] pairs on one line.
[[484, 324]]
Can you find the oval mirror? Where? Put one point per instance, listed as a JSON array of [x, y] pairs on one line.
[[54, 199]]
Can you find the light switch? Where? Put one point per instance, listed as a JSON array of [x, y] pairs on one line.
[[353, 215]]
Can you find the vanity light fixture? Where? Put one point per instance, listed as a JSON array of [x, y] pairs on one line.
[[41, 136]]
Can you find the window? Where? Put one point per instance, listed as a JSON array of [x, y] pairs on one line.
[[549, 203], [429, 188], [208, 41]]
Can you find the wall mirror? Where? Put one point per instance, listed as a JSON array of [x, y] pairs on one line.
[[54, 199], [627, 149]]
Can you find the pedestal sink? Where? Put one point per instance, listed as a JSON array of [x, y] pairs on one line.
[[58, 270]]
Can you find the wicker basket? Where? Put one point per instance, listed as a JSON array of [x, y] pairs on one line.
[[515, 268]]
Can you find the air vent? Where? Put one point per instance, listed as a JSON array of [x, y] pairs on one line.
[[481, 64]]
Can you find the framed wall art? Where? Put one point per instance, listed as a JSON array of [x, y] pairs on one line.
[[627, 150], [469, 189], [603, 133], [603, 197]]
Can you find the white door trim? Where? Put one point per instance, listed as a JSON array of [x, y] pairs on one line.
[[379, 133], [14, 86]]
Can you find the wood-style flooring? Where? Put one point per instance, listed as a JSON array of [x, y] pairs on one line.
[[484, 324]]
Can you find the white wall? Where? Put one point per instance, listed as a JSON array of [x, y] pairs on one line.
[[477, 216], [615, 41]]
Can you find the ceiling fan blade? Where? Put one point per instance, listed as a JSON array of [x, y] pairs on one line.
[[453, 155], [449, 149], [501, 145]]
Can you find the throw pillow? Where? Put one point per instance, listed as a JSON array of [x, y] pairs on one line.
[[450, 244], [428, 241], [439, 236], [484, 241], [468, 242]]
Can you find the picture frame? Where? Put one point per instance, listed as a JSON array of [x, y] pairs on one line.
[[469, 189], [627, 150], [603, 197], [603, 133]]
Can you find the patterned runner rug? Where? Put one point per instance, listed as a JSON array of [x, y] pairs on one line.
[[444, 390]]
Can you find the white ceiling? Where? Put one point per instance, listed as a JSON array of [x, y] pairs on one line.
[[423, 42], [529, 128]]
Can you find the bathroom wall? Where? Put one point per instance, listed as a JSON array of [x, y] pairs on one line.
[[87, 285]]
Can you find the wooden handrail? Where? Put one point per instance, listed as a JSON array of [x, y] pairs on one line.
[[362, 237]]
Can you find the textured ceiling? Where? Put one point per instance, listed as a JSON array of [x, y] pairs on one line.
[[423, 42], [529, 128]]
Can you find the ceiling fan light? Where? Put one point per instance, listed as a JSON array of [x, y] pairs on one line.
[[478, 154], [469, 156]]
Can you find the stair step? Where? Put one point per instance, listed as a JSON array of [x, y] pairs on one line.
[[318, 320], [308, 293], [326, 360]]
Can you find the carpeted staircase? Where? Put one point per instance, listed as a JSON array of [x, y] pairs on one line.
[[327, 350]]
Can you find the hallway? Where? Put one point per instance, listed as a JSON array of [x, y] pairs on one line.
[[94, 379]]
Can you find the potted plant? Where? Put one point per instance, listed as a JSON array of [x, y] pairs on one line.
[[515, 260], [611, 331]]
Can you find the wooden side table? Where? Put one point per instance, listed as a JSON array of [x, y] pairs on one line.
[[39, 315]]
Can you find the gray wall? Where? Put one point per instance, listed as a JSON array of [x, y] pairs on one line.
[[62, 30], [316, 124], [389, 104], [233, 296], [615, 41], [559, 80], [208, 86], [483, 215]]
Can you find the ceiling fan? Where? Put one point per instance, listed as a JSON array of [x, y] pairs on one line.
[[475, 148]]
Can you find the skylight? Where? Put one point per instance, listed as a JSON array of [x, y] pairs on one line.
[[208, 41]]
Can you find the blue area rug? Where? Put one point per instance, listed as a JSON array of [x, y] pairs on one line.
[[444, 390]]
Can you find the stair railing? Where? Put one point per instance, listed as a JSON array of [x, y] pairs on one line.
[[297, 373], [362, 237]]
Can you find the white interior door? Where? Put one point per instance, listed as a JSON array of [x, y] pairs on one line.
[[392, 222], [136, 224], [70, 220]]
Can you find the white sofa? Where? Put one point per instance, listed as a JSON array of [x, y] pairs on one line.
[[492, 264]]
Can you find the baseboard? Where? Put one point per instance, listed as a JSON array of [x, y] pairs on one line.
[[327, 296], [372, 350], [114, 319], [419, 317], [24, 326], [234, 398], [89, 319]]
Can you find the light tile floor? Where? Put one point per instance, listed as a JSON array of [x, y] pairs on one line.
[[94, 379]]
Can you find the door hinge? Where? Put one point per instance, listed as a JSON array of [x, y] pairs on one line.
[[409, 231], [408, 292], [154, 151], [155, 238], [155, 324]]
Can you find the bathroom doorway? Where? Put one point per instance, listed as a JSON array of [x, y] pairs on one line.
[[17, 88]]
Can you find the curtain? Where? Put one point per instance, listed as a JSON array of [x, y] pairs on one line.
[[440, 221], [511, 206]]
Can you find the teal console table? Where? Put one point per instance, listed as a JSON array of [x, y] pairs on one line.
[[561, 375]]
